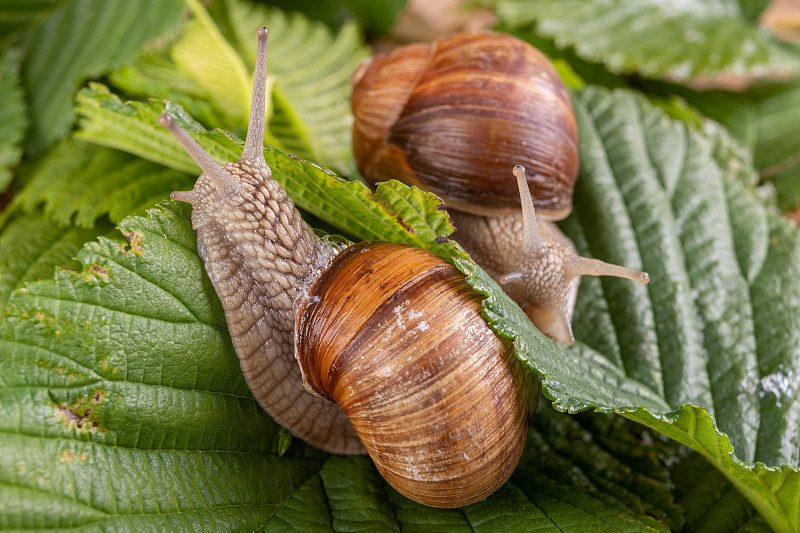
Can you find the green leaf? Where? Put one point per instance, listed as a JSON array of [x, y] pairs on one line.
[[13, 121], [133, 127], [678, 41], [32, 247], [718, 329], [124, 408], [79, 39], [77, 182]]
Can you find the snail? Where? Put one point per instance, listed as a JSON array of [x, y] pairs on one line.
[[452, 117], [378, 348]]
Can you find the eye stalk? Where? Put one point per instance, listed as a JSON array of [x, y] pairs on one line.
[[549, 270]]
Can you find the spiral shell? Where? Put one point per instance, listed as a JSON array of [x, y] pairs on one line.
[[435, 396], [452, 116]]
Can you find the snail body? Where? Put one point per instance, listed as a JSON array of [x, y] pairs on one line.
[[370, 328], [452, 117]]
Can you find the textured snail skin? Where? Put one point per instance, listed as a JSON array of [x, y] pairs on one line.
[[258, 252], [449, 116], [394, 335]]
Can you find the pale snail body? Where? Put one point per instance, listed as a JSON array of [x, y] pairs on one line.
[[265, 264], [452, 117], [483, 236]]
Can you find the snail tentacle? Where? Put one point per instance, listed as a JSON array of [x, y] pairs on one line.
[[224, 183], [254, 142]]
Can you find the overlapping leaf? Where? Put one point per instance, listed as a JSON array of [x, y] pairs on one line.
[[77, 182], [78, 39], [209, 70], [678, 41], [133, 127]]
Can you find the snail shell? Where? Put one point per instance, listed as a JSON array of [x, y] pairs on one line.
[[449, 116], [395, 337]]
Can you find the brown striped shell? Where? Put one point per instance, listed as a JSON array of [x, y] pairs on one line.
[[453, 116], [434, 395]]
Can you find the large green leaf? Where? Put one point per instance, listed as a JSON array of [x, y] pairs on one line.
[[726, 305], [696, 354], [669, 40], [124, 408], [133, 127], [78, 39]]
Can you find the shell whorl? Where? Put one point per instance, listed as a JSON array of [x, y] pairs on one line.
[[439, 401]]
